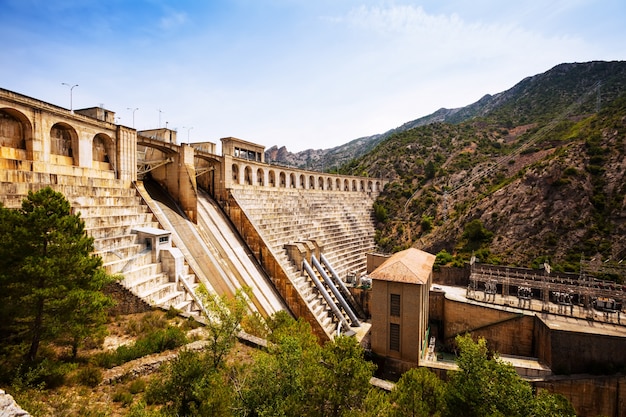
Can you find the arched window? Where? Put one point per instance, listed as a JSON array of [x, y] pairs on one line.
[[247, 176], [338, 184], [320, 182], [346, 185], [302, 181], [272, 179], [292, 180], [13, 131], [260, 180], [101, 149], [329, 184], [282, 180], [353, 185], [63, 141], [311, 182], [235, 169]]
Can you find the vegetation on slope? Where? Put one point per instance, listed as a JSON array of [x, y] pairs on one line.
[[541, 168]]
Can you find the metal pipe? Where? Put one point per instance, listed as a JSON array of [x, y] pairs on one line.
[[325, 294], [333, 288]]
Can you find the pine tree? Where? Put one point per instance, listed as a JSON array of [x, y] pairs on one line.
[[52, 283]]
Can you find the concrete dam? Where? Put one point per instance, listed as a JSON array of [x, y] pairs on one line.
[[169, 217]]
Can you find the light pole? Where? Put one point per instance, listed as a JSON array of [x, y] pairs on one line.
[[188, 129], [134, 110], [71, 88]]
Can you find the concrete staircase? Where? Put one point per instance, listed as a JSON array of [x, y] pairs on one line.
[[111, 211], [340, 224]]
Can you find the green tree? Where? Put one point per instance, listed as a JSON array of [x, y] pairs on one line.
[[52, 284], [343, 381], [190, 385], [225, 316], [485, 386], [282, 380], [476, 234], [419, 393]]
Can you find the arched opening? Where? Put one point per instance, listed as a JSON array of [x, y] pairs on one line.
[[101, 149], [338, 184], [235, 170], [260, 180], [292, 180], [369, 186], [346, 185], [311, 182], [64, 142], [353, 185], [329, 184], [282, 180], [320, 183], [362, 185], [247, 176], [272, 179], [15, 129], [302, 181]]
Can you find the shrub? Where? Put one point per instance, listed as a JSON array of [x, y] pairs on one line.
[[89, 376]]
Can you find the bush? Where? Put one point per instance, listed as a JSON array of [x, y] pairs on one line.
[[126, 398], [45, 374], [158, 341], [89, 376]]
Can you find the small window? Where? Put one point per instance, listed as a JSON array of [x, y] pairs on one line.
[[164, 239], [394, 337], [394, 305]]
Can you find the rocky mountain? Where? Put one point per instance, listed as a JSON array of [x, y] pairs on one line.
[[535, 173]]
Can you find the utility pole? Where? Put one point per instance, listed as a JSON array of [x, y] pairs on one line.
[[71, 89]]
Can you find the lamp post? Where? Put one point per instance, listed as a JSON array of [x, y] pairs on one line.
[[71, 88], [188, 129], [134, 110]]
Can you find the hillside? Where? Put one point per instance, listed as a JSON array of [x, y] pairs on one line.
[[539, 169]]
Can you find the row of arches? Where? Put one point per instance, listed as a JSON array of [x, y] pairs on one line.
[[247, 175], [16, 132]]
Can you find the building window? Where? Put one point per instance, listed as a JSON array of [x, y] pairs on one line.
[[164, 239], [394, 305], [394, 337]]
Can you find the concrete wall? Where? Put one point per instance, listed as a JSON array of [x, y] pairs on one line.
[[571, 352], [591, 395], [506, 332]]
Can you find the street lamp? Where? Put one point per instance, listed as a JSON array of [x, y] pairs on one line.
[[188, 129], [71, 88], [134, 110]]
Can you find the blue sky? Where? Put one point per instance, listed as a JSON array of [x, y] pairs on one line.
[[299, 73]]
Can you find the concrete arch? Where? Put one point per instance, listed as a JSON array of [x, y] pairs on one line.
[[292, 180], [103, 149], [346, 185], [302, 181], [271, 180], [353, 185], [369, 186], [338, 184], [16, 131], [282, 180], [64, 141], [329, 184], [362, 185], [260, 177], [235, 171], [320, 183], [247, 175], [311, 182]]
